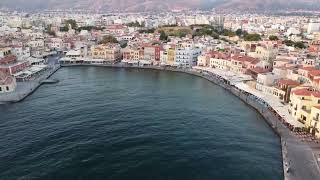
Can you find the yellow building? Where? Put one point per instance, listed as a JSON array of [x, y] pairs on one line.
[[315, 125], [109, 52], [171, 56], [264, 53], [302, 101], [203, 60]]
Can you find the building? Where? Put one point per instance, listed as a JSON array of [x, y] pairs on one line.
[[220, 61], [301, 102], [132, 54], [313, 26], [187, 55], [9, 65], [109, 52], [284, 87], [241, 63], [7, 83], [152, 53], [315, 125]]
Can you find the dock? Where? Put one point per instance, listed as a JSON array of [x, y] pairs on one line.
[[24, 89]]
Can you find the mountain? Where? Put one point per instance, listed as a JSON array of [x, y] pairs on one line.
[[269, 4], [159, 5]]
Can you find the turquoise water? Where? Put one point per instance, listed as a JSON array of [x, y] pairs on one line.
[[118, 124]]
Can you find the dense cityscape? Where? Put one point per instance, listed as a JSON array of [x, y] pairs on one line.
[[271, 59]]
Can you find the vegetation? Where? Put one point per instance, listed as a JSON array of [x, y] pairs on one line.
[[174, 31], [227, 32], [273, 38], [124, 45], [108, 39], [288, 43], [152, 30], [163, 36], [68, 22], [171, 25], [239, 32], [49, 31], [89, 28], [299, 44], [205, 30], [136, 24], [251, 37], [52, 33]]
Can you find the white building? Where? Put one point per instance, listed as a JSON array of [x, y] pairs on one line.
[[313, 26], [7, 83], [187, 55]]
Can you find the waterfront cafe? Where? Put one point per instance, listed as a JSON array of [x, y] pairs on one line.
[[68, 60], [130, 62], [143, 63], [94, 61], [30, 73]]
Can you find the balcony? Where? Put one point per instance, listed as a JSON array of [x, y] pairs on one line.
[[302, 121], [306, 110]]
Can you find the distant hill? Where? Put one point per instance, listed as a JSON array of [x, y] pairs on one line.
[[159, 5]]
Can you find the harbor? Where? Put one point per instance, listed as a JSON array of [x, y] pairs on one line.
[[299, 159]]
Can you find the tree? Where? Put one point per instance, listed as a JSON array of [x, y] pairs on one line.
[[229, 33], [147, 30], [89, 28], [52, 33], [49, 30], [136, 24], [252, 37], [72, 22], [273, 38], [288, 43], [163, 36], [239, 32], [124, 45], [299, 45], [108, 39], [68, 22]]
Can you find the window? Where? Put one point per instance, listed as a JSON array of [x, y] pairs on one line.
[[304, 118], [0, 89], [7, 88]]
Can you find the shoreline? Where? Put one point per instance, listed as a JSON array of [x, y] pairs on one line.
[[297, 157]]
